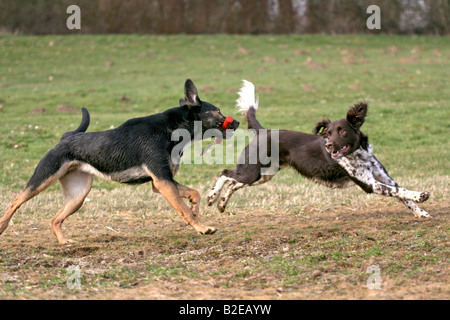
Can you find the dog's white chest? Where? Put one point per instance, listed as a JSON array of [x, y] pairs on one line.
[[359, 164]]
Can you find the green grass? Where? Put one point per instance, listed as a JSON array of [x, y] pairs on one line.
[[409, 102], [279, 236]]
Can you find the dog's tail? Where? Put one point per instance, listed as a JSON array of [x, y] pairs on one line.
[[86, 118], [248, 103]]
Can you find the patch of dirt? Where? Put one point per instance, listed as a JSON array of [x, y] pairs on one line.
[[174, 58], [270, 59], [234, 71], [308, 87], [300, 52], [38, 111], [313, 65], [409, 60], [256, 254], [355, 86], [244, 51], [265, 89], [126, 99], [436, 52], [65, 108], [208, 88]]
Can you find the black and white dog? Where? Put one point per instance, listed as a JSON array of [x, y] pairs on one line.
[[138, 151], [337, 155]]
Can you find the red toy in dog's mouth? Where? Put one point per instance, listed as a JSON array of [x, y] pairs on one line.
[[340, 153], [228, 121]]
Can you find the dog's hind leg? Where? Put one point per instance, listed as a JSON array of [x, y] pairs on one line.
[[231, 188], [37, 183], [75, 186], [26, 195], [235, 185], [214, 194]]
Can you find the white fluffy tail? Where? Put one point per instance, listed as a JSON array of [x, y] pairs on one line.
[[247, 98]]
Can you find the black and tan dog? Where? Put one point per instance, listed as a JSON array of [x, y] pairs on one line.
[[337, 155], [138, 151]]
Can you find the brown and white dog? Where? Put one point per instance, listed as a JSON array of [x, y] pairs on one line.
[[337, 155]]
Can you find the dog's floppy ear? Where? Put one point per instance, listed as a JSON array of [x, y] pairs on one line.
[[356, 115], [321, 125], [191, 94]]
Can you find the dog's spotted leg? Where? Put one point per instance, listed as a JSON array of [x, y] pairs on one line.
[[214, 194], [401, 193], [235, 185], [359, 167], [418, 212], [231, 188], [170, 192]]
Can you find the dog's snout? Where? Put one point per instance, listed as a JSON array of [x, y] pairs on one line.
[[235, 124]]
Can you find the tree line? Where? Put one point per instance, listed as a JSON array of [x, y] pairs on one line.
[[225, 16]]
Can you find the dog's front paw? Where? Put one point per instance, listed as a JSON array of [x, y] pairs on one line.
[[423, 197], [426, 215], [222, 204], [212, 197], [207, 230]]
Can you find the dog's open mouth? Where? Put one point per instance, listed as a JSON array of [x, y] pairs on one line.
[[227, 129], [340, 153]]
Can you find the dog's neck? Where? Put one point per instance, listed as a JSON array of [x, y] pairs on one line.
[[357, 157], [182, 118]]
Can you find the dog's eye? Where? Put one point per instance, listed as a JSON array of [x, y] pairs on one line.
[[342, 132]]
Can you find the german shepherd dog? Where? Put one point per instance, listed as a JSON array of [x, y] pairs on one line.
[[337, 155], [138, 151]]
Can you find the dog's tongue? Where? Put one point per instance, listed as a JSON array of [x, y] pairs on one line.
[[337, 154], [215, 141], [225, 125]]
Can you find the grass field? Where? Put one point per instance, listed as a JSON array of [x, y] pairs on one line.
[[288, 239]]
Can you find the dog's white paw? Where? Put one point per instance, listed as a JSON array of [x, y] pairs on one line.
[[212, 197]]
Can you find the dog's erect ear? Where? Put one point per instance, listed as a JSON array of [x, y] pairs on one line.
[[191, 94], [356, 115], [321, 125]]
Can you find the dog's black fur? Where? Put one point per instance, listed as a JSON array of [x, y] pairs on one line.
[[138, 151], [337, 155]]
